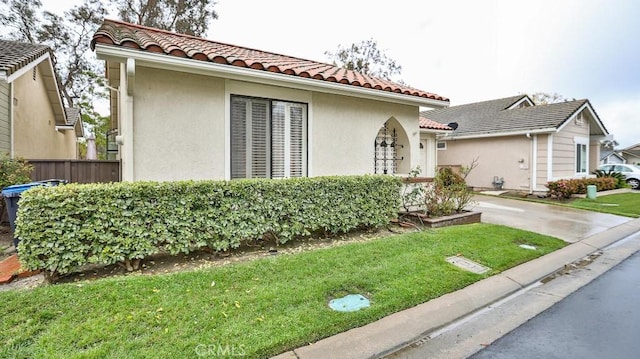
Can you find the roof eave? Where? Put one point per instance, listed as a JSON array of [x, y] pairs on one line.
[[118, 54], [50, 81], [26, 68], [585, 105]]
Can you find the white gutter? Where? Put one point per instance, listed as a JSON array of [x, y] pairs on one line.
[[501, 134], [438, 132], [119, 54]]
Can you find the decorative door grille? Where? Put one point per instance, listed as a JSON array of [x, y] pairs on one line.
[[385, 153]]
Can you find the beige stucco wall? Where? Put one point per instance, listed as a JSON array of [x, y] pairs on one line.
[[505, 157], [564, 149], [632, 159], [543, 159], [344, 129], [35, 136], [180, 127]]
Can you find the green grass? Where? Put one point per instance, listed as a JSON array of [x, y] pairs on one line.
[[258, 308], [623, 204]]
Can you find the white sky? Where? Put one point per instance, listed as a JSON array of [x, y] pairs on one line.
[[466, 50]]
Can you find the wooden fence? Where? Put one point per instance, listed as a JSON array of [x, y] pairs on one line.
[[77, 171]]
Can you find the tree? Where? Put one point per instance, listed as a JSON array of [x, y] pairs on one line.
[[365, 57], [545, 98], [191, 17], [21, 17], [99, 125], [80, 75]]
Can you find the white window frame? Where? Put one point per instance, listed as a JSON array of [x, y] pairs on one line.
[[579, 142], [443, 143], [287, 136]]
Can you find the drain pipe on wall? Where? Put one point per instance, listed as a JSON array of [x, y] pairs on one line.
[[533, 169]]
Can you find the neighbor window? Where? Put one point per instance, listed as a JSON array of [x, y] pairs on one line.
[[581, 158], [268, 138], [441, 145]]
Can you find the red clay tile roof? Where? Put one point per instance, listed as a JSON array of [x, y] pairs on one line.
[[433, 125], [122, 34]]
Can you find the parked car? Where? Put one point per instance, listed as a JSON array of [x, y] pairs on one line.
[[631, 173]]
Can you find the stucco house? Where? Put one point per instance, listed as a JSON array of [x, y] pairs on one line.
[[519, 145], [34, 124], [609, 156], [632, 154], [190, 108]]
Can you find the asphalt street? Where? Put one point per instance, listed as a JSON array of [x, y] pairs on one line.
[[600, 320]]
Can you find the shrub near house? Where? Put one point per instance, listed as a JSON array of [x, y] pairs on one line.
[[62, 228], [564, 188]]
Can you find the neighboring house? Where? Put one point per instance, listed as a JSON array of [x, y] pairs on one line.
[[190, 108], [518, 145], [33, 121], [608, 153], [632, 154], [609, 156]]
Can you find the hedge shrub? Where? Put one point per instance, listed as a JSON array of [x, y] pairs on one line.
[[64, 227], [564, 188], [14, 171]]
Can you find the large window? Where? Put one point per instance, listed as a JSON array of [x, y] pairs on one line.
[[268, 138]]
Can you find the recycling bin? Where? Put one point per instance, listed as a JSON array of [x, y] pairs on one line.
[[12, 196]]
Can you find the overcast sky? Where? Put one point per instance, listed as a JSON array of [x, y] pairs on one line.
[[467, 50]]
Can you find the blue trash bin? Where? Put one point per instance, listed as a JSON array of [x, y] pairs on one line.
[[12, 196]]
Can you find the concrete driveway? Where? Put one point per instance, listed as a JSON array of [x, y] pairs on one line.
[[568, 224]]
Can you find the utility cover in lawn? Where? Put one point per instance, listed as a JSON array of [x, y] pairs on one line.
[[350, 303]]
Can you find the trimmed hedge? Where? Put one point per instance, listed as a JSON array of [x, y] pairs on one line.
[[64, 227], [564, 188]]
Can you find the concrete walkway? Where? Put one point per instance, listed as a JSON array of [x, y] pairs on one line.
[[568, 224], [587, 231]]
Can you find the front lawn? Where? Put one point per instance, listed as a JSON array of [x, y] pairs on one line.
[[623, 204], [257, 308]]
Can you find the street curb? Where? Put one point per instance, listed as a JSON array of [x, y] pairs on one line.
[[400, 329]]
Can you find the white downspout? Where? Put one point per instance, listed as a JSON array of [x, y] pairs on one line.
[[127, 71], [12, 122], [550, 157], [534, 164]]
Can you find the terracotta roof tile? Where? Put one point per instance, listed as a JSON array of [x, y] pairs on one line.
[[121, 34], [433, 125]]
